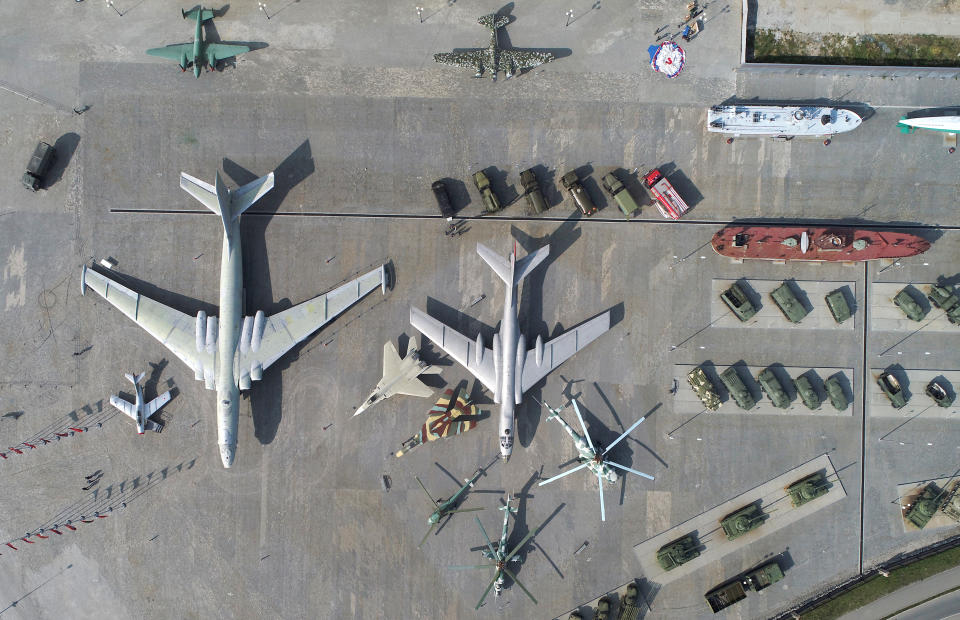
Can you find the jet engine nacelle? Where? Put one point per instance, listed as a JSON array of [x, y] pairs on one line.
[[518, 373], [251, 332], [206, 332], [497, 366], [538, 350], [478, 352]]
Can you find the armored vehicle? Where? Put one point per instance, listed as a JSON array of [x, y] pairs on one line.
[[738, 302], [764, 576], [924, 506], [726, 595], [678, 552], [807, 394], [531, 191], [837, 302], [772, 387], [947, 300], [788, 303], [629, 609], [951, 507], [443, 199], [603, 609], [905, 301], [38, 166], [892, 388], [572, 184], [939, 395], [808, 489], [619, 193], [736, 590], [737, 389], [738, 523], [701, 385], [490, 202], [835, 393]]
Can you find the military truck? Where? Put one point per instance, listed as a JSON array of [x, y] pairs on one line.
[[738, 302], [808, 489], [807, 394], [905, 301], [738, 523], [892, 388], [678, 552], [736, 590], [38, 166], [737, 389], [835, 392], [490, 202], [619, 192], [572, 184], [443, 199], [788, 303], [531, 191], [773, 388], [701, 385], [939, 395], [837, 303], [924, 506], [947, 300]]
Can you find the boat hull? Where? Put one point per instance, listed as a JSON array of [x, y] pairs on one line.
[[781, 121], [949, 124], [815, 244]]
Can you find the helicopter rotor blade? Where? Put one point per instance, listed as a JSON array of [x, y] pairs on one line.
[[424, 539], [432, 501], [569, 471], [520, 545], [632, 471], [450, 512], [603, 512], [517, 581], [583, 426], [486, 538], [487, 591], [469, 567], [625, 433]]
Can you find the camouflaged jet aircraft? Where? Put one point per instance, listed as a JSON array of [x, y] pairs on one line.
[[231, 352], [494, 58], [199, 52], [451, 415]]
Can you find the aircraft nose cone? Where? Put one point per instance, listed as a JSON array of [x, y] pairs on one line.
[[227, 454], [196, 70]]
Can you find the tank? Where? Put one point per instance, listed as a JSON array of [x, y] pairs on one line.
[[924, 506], [837, 303], [808, 489], [905, 301], [701, 385], [738, 523], [838, 399], [788, 303], [807, 394], [773, 388], [812, 243], [738, 391], [678, 552]]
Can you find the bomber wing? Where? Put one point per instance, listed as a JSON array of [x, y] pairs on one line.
[[457, 346], [282, 331], [219, 51], [518, 59], [173, 52], [470, 59], [561, 348], [174, 329]]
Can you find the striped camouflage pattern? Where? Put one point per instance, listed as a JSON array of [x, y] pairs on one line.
[[449, 416]]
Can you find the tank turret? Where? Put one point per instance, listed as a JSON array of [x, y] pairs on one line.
[[807, 489], [924, 506], [678, 552], [738, 523]]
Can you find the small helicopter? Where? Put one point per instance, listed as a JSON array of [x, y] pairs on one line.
[[592, 457], [500, 557], [444, 508]]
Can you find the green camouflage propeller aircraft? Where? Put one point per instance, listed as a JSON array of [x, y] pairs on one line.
[[199, 52], [443, 508], [500, 556], [494, 58]]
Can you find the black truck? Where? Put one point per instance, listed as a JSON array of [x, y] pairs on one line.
[[38, 166]]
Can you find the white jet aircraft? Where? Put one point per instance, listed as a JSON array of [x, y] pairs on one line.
[[400, 375], [509, 369], [227, 354], [138, 410]]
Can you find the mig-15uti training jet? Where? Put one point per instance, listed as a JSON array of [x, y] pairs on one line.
[[229, 353], [199, 52], [509, 369], [494, 58], [140, 411]]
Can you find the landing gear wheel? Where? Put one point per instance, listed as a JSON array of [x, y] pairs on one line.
[[826, 142], [729, 140]]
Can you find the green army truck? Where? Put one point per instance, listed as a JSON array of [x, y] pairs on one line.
[[678, 552], [738, 391], [808, 489], [619, 192], [738, 523], [945, 299], [490, 202], [788, 303], [773, 388], [531, 191], [736, 590]]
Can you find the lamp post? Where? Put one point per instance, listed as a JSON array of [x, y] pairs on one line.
[[263, 8], [112, 6], [420, 13], [569, 16]]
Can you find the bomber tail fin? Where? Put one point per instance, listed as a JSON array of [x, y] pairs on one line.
[[512, 271], [228, 205], [528, 263], [135, 379], [494, 21], [205, 14]]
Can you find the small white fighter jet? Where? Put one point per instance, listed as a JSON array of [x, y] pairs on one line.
[[141, 412]]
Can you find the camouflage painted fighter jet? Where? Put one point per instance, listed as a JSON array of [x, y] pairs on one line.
[[451, 415], [494, 58], [199, 52]]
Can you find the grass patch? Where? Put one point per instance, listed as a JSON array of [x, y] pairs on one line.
[[879, 586], [914, 50]]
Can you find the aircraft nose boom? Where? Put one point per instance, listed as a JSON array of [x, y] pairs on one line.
[[227, 454]]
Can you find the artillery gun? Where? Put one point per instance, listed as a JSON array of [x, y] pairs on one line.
[[678, 552], [738, 523], [701, 385], [808, 489]]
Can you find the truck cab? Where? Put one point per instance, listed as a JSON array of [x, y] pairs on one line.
[[490, 202], [620, 195]]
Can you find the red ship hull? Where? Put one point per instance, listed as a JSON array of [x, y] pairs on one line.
[[807, 243]]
